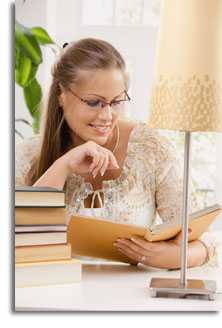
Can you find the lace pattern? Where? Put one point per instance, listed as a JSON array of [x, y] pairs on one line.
[[150, 184], [25, 152]]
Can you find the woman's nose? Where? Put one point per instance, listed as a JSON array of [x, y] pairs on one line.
[[106, 112]]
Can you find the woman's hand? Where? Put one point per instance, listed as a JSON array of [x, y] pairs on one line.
[[84, 159], [90, 158], [160, 254]]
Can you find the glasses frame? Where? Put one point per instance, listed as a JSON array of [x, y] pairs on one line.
[[103, 102]]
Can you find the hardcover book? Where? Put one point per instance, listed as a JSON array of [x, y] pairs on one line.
[[94, 237]]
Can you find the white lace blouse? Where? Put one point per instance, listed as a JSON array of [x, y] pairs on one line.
[[148, 191]]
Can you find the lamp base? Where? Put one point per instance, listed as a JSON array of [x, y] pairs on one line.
[[169, 287]]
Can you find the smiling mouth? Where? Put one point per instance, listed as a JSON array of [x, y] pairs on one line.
[[101, 128]]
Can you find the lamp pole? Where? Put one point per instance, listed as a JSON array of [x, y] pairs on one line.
[[187, 97], [185, 209], [183, 286]]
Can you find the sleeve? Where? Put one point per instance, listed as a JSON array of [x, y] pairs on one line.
[[169, 192], [24, 154]]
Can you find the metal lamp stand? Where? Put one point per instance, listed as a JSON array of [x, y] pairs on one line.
[[182, 287]]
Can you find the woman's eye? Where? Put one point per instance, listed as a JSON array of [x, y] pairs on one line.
[[116, 103], [93, 103]]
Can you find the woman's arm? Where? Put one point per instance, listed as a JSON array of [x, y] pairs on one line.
[[84, 159], [197, 253], [55, 176]]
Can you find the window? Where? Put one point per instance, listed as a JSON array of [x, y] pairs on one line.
[[121, 12], [203, 165]]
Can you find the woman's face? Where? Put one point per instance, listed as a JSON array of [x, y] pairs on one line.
[[90, 121]]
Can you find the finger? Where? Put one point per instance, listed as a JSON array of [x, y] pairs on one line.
[[178, 238], [130, 254], [127, 244], [147, 245], [132, 262], [112, 161], [105, 165], [99, 165], [95, 161]]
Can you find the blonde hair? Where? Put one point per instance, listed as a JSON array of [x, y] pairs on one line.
[[85, 55]]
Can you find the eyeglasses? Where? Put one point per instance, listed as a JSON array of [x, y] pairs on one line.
[[98, 104]]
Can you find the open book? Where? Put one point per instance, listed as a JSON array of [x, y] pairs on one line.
[[90, 236]]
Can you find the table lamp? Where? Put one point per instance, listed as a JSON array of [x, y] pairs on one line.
[[187, 96]]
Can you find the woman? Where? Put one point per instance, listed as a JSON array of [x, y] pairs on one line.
[[109, 167]]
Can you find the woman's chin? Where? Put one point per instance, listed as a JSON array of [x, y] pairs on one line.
[[100, 137], [100, 140]]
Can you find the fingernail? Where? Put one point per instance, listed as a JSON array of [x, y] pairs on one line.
[[102, 173], [133, 239], [115, 244]]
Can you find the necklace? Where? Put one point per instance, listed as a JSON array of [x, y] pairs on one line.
[[117, 139]]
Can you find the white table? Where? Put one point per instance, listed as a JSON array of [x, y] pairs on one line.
[[115, 287]]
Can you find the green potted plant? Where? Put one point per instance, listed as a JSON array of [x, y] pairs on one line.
[[28, 58]]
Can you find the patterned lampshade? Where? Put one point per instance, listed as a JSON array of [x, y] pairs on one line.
[[187, 90]]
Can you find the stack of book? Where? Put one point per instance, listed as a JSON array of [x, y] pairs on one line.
[[42, 253]]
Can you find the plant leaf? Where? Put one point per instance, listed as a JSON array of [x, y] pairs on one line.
[[33, 96], [25, 71], [23, 121], [36, 124], [19, 134], [41, 35], [28, 44], [17, 56]]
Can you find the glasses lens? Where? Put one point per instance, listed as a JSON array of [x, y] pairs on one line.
[[119, 104], [98, 104], [94, 104]]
